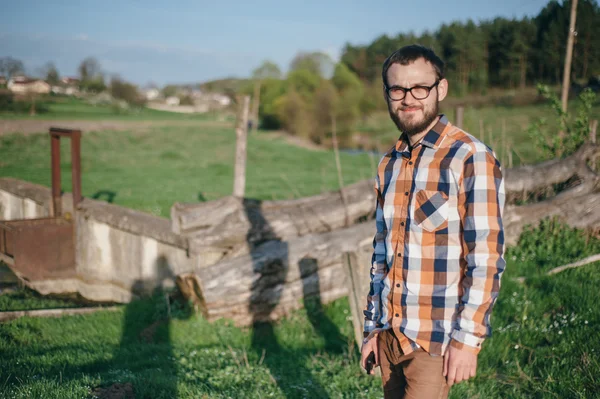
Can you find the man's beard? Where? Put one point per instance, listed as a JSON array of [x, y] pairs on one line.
[[412, 128]]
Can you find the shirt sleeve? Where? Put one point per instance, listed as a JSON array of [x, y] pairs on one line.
[[481, 201], [379, 268]]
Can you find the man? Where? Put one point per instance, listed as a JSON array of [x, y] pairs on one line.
[[439, 245]]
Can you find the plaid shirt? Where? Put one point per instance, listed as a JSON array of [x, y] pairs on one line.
[[439, 245]]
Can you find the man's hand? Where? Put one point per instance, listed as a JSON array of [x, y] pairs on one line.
[[459, 365], [370, 346]]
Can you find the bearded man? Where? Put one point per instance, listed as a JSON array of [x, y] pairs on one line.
[[439, 244]]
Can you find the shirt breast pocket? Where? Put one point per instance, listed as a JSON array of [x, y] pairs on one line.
[[431, 210]]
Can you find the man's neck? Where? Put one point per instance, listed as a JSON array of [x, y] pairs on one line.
[[415, 138]]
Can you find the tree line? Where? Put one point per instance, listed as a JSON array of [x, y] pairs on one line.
[[92, 79], [505, 53]]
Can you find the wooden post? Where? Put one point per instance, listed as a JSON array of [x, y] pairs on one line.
[[56, 186], [569, 56], [481, 131], [593, 129], [491, 142], [460, 111], [338, 164], [32, 109], [504, 143], [76, 168], [357, 269], [241, 133], [372, 162], [255, 105]]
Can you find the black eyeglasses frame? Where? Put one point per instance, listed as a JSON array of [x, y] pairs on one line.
[[409, 90]]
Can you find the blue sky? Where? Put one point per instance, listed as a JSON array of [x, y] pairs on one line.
[[188, 41]]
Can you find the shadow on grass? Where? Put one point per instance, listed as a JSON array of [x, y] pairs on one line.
[[335, 342], [271, 264], [105, 195], [143, 364], [145, 353]]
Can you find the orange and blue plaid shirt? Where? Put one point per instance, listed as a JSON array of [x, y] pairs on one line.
[[439, 246]]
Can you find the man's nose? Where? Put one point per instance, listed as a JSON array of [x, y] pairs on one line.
[[409, 99]]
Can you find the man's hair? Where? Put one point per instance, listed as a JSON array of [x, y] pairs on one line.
[[409, 54]]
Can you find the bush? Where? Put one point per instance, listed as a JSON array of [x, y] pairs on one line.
[[6, 100], [9, 104], [186, 100], [569, 132], [127, 92]]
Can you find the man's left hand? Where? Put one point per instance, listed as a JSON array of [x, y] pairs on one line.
[[459, 365]]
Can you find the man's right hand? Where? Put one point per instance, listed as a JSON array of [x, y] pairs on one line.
[[370, 346]]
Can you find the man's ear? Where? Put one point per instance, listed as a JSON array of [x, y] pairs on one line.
[[442, 89]]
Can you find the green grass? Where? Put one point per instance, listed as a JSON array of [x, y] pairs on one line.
[[25, 299], [151, 169], [545, 344], [67, 108]]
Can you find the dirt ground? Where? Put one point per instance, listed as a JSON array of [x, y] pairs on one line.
[[115, 391], [41, 126]]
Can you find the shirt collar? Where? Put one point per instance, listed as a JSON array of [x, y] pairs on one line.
[[432, 139]]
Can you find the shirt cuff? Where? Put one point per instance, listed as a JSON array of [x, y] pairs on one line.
[[466, 341], [370, 330]]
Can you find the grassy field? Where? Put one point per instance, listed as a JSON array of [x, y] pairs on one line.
[[150, 169], [545, 344], [68, 108]]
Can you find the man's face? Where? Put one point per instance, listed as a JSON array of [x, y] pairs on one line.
[[413, 116]]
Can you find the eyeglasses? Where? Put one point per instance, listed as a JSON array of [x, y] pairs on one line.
[[397, 93]]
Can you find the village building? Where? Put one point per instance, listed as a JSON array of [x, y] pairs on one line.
[[25, 85]]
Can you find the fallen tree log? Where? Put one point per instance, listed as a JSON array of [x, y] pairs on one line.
[[275, 278], [579, 211], [574, 265], [235, 226], [268, 281], [537, 180]]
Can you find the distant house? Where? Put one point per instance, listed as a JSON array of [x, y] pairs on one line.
[[70, 81], [152, 94], [24, 85], [172, 100], [221, 99]]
